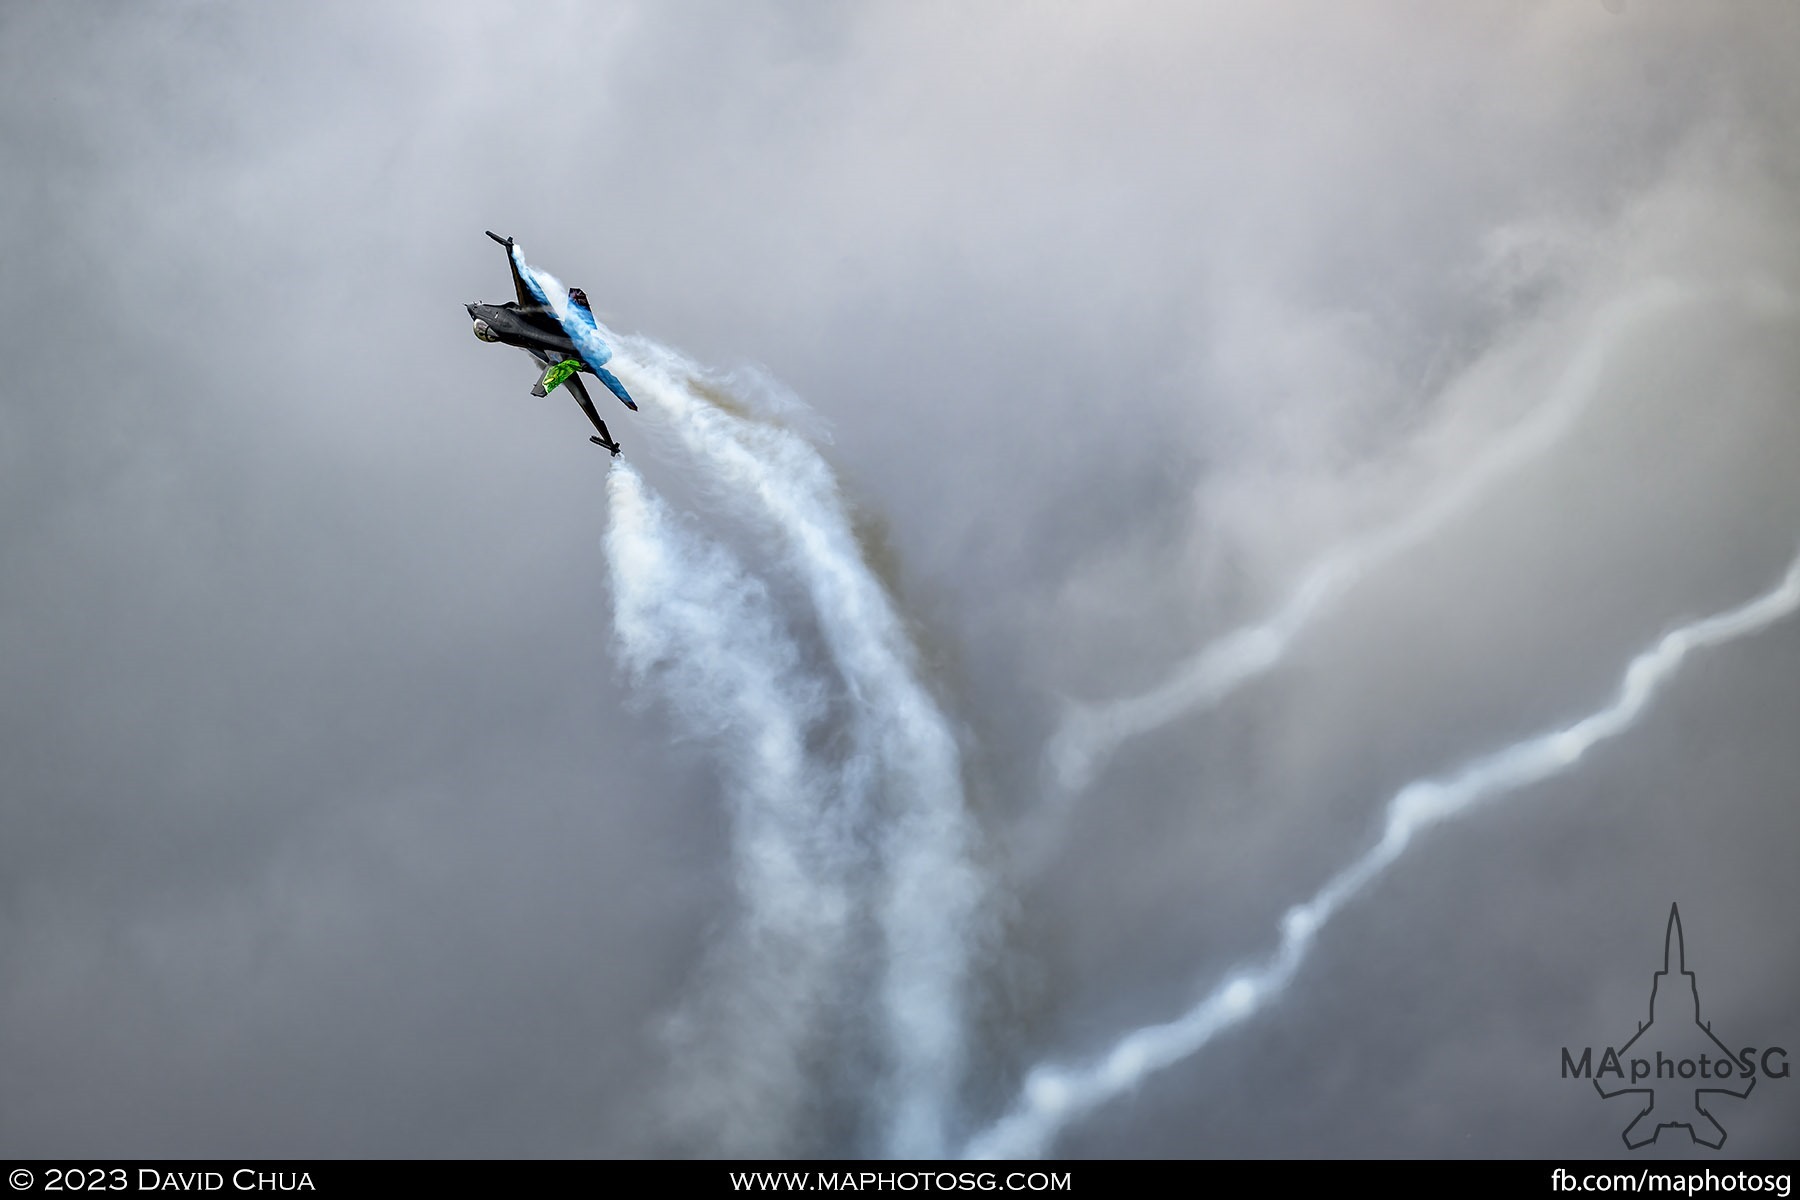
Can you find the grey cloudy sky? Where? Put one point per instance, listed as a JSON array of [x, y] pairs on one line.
[[329, 824]]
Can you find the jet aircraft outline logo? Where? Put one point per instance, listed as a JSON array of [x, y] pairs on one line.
[[1692, 1113], [1672, 1064]]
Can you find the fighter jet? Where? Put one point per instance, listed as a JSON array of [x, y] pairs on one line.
[[531, 325]]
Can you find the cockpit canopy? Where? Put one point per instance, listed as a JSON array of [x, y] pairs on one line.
[[485, 333]]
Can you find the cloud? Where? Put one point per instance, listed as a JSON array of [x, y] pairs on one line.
[[331, 824]]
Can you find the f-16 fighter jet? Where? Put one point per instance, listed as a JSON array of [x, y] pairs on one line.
[[531, 325]]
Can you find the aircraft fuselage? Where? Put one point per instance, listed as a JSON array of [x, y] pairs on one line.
[[533, 329], [529, 324]]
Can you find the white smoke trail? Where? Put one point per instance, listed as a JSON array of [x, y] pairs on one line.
[[931, 903], [1054, 1096], [907, 764], [692, 623], [1090, 734]]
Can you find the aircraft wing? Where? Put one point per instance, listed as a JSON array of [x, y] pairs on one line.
[[520, 287], [574, 384], [613, 385]]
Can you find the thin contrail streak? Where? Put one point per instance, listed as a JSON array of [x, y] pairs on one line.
[[1053, 1096], [1092, 733]]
